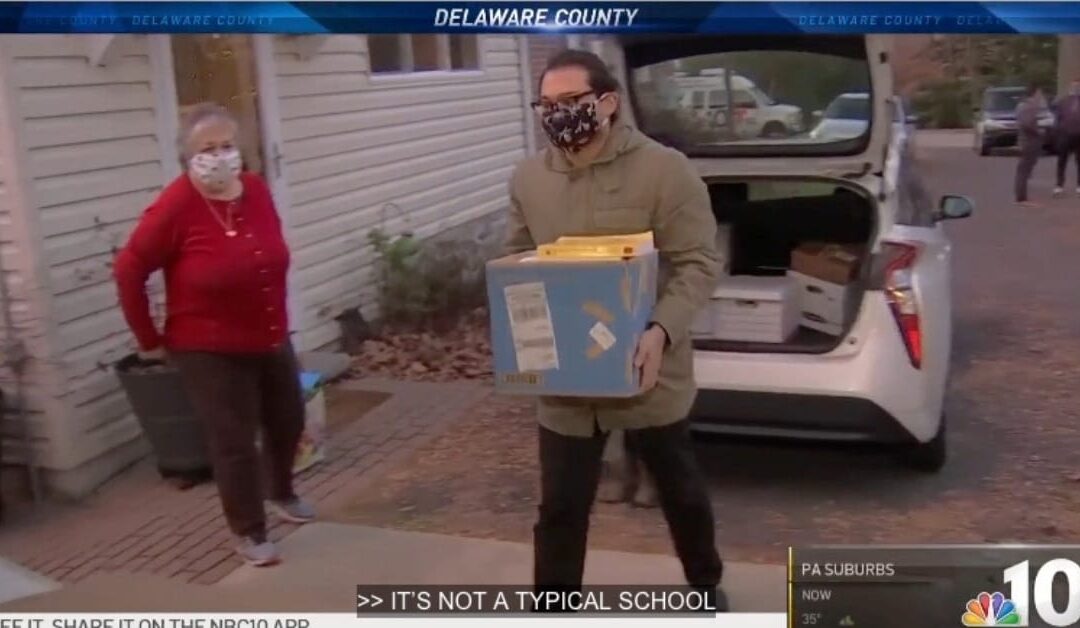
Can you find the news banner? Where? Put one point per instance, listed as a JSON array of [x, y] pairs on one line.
[[827, 586], [747, 17]]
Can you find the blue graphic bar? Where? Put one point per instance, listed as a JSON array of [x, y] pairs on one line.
[[541, 17]]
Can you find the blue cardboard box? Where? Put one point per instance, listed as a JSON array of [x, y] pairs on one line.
[[569, 327]]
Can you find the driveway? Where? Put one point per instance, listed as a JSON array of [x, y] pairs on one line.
[[1013, 473]]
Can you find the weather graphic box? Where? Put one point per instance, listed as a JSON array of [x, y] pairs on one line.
[[566, 319]]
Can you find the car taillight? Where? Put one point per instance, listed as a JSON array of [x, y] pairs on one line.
[[896, 266]]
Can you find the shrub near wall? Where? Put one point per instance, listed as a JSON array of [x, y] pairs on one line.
[[945, 105]]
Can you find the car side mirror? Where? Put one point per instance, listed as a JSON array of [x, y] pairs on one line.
[[955, 207]]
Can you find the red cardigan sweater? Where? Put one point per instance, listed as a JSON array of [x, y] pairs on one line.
[[223, 294]]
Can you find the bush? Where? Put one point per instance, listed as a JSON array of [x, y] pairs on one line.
[[945, 105], [426, 285]]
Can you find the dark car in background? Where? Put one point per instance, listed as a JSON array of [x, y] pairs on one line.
[[995, 120]]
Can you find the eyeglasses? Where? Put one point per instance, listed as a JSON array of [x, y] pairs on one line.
[[542, 106]]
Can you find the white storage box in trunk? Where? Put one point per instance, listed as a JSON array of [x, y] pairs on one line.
[[754, 309], [823, 305]]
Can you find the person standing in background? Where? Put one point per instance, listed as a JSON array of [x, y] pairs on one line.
[[1030, 139], [215, 233], [1067, 110], [600, 176]]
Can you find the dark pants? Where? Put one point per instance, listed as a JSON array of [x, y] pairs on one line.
[[1029, 157], [1067, 145], [234, 395], [569, 475]]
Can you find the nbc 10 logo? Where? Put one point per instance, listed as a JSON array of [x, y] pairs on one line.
[[1027, 598]]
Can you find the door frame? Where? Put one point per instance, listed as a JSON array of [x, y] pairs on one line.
[[270, 139], [273, 144]]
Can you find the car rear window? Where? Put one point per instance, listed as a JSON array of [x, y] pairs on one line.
[[1002, 100], [793, 88]]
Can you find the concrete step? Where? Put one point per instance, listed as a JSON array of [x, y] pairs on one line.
[[323, 563], [328, 560], [141, 593], [17, 582]]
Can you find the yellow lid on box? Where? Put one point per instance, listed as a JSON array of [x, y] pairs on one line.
[[591, 247]]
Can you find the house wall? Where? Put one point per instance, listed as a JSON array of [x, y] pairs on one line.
[[91, 161], [89, 147], [425, 152], [22, 328]]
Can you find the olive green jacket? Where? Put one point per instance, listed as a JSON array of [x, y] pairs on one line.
[[634, 185]]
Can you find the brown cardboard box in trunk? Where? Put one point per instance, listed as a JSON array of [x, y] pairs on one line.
[[835, 263]]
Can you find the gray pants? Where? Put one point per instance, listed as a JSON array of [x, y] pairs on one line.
[[1029, 156]]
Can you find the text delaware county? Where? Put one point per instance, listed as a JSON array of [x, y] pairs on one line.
[[536, 17], [200, 20]]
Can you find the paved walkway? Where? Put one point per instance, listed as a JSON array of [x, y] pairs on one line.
[[324, 562], [139, 524]]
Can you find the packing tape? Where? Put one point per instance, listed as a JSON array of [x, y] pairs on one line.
[[594, 350], [598, 311]]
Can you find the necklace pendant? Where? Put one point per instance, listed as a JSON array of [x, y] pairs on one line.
[[230, 233]]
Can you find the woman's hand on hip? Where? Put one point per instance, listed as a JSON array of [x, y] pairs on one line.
[[154, 355]]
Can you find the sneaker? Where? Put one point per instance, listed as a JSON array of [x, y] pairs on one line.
[[1058, 191], [258, 553], [294, 510]]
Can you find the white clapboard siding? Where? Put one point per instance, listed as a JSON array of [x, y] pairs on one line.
[[92, 161], [22, 304], [424, 152]]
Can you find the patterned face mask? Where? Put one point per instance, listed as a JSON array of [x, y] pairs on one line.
[[571, 126], [216, 170]]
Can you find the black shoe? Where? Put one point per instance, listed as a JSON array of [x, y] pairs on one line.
[[721, 601], [715, 599]]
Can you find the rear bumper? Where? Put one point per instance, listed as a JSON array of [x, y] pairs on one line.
[[798, 416], [1009, 138], [1000, 138], [866, 389]]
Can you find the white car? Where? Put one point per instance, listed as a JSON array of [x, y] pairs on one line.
[[756, 113], [846, 117], [883, 376]]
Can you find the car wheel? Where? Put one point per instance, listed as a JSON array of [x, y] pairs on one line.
[[928, 457], [774, 130]]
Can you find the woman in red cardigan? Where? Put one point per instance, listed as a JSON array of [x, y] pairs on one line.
[[215, 233]]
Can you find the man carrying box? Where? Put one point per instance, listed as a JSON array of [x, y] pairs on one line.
[[602, 177]]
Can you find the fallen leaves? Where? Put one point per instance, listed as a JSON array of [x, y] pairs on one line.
[[461, 353]]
